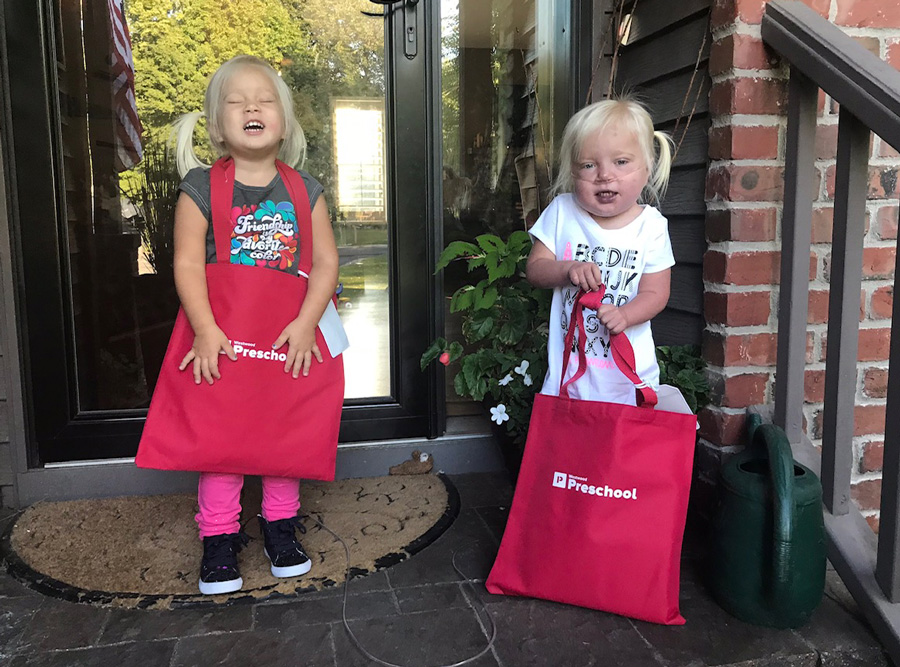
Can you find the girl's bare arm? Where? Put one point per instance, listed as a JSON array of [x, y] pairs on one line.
[[190, 281], [300, 334]]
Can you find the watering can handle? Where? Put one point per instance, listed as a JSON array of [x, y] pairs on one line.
[[781, 471]]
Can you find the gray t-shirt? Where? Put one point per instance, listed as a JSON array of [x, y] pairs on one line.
[[263, 220]]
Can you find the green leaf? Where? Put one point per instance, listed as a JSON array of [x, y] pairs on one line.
[[508, 266], [480, 389], [518, 241], [479, 326], [455, 351], [462, 299], [475, 262], [513, 330], [455, 250], [491, 243], [692, 402], [470, 371], [433, 352], [460, 386], [487, 299]]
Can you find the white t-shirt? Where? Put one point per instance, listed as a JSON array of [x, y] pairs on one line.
[[623, 255]]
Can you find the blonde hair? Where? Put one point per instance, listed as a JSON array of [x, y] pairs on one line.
[[630, 115], [293, 147]]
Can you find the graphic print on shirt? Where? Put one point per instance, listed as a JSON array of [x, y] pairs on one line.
[[619, 272], [264, 235]]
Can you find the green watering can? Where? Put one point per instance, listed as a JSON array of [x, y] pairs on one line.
[[768, 551]]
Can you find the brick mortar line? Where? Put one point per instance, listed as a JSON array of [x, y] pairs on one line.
[[748, 120], [731, 247], [734, 73], [727, 288], [724, 205]]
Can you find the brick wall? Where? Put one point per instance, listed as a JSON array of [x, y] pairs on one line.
[[741, 268]]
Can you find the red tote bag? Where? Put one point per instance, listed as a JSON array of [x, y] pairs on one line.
[[256, 419], [598, 515]]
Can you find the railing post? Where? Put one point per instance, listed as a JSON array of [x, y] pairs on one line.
[[851, 181], [886, 568], [796, 226]]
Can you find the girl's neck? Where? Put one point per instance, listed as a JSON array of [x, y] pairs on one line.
[[619, 221], [257, 173]]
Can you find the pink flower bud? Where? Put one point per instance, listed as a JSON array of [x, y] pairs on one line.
[[444, 358]]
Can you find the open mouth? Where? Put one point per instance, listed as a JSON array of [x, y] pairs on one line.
[[253, 127], [606, 196]]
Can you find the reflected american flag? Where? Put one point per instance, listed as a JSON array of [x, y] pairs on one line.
[[128, 125]]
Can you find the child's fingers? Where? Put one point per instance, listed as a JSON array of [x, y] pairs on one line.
[[229, 350], [281, 340], [307, 362], [289, 362], [316, 353], [298, 365], [196, 370], [204, 370], [188, 358]]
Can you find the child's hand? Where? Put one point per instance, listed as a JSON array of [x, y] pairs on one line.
[[205, 352], [301, 340], [585, 275], [612, 318]]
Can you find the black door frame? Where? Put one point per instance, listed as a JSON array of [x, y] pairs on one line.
[[55, 430]]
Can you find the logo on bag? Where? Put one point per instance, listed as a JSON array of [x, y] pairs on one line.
[[242, 349], [562, 480]]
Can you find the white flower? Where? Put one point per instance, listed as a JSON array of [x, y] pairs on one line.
[[522, 368], [527, 380], [505, 381], [498, 414]]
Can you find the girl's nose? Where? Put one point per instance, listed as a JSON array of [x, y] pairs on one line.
[[602, 174]]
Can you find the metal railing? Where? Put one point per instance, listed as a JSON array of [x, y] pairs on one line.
[[868, 91]]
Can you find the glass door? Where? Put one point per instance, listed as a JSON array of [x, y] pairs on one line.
[[94, 230]]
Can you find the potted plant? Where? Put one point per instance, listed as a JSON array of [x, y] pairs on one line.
[[503, 357]]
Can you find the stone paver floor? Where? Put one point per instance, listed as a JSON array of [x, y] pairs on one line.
[[418, 613]]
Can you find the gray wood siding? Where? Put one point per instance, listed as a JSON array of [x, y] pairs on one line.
[[656, 64]]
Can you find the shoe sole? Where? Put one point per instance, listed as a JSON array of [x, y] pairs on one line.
[[220, 587], [289, 570]]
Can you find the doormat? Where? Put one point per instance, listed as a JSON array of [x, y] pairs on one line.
[[143, 552]]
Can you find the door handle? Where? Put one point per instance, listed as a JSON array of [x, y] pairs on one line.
[[410, 29]]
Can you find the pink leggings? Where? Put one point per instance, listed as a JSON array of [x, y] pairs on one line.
[[219, 498]]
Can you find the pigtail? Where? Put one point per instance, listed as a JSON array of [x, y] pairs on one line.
[[293, 150], [183, 133], [659, 179]]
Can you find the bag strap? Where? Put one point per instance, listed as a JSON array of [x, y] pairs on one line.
[[221, 186], [620, 346], [221, 194], [300, 197]]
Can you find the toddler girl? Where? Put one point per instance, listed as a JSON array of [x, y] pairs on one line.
[[597, 231], [260, 225]]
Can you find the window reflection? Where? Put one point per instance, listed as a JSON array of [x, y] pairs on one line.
[[115, 107], [495, 177]]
